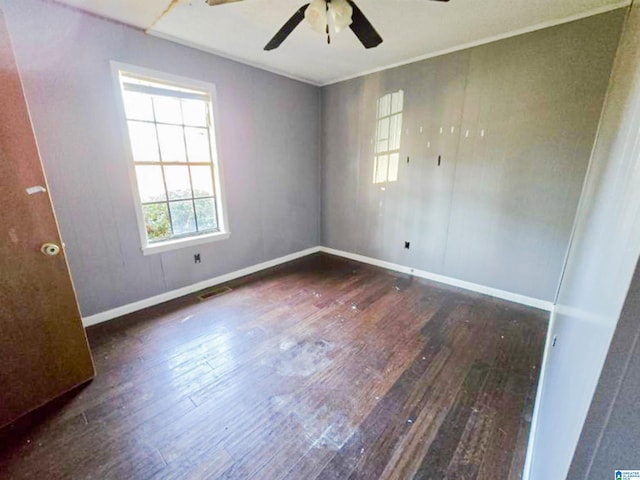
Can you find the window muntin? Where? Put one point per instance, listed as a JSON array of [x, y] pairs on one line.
[[388, 134], [172, 138]]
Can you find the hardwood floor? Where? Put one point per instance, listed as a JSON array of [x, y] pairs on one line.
[[319, 369]]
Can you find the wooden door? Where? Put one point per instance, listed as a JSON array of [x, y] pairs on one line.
[[43, 347]]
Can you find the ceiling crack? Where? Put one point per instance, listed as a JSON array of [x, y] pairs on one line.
[[170, 7]]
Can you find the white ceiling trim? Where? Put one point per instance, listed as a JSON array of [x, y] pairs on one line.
[[484, 41], [212, 51]]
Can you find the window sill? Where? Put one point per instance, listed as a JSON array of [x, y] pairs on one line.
[[184, 242]]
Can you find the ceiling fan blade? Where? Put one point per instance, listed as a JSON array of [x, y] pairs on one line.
[[286, 29], [363, 28], [220, 2]]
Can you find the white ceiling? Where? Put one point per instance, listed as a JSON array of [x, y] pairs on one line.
[[411, 29]]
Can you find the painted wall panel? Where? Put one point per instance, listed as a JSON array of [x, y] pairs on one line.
[[514, 123], [268, 143], [610, 439]]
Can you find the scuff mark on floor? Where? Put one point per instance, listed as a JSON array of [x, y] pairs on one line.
[[327, 419], [303, 358]]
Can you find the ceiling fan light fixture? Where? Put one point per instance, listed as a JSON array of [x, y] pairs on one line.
[[316, 15], [341, 14], [327, 16]]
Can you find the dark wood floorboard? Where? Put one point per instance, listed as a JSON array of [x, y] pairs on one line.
[[322, 368]]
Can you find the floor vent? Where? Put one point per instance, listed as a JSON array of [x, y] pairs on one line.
[[213, 292]]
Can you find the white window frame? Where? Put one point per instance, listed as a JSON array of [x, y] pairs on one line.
[[221, 203]]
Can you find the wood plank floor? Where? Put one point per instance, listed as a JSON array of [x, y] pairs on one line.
[[320, 369]]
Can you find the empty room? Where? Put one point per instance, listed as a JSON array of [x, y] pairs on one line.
[[327, 239]]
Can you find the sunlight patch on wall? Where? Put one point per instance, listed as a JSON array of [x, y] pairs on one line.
[[388, 135]]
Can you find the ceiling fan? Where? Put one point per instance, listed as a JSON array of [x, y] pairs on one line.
[[323, 16]]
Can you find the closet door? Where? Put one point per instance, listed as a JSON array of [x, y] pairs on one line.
[[43, 347]]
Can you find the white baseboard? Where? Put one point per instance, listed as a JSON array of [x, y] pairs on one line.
[[474, 287], [180, 292]]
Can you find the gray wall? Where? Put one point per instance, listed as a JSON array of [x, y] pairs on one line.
[[600, 265], [268, 145], [499, 210]]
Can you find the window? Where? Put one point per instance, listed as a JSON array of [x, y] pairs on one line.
[[388, 133], [174, 162]]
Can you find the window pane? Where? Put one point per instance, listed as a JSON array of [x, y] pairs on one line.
[[156, 219], [174, 152], [144, 143], [182, 217], [138, 106], [150, 183], [394, 160], [206, 212], [202, 180], [198, 144], [194, 113], [167, 110], [178, 184], [171, 143]]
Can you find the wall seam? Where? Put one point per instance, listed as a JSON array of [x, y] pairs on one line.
[[455, 168]]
